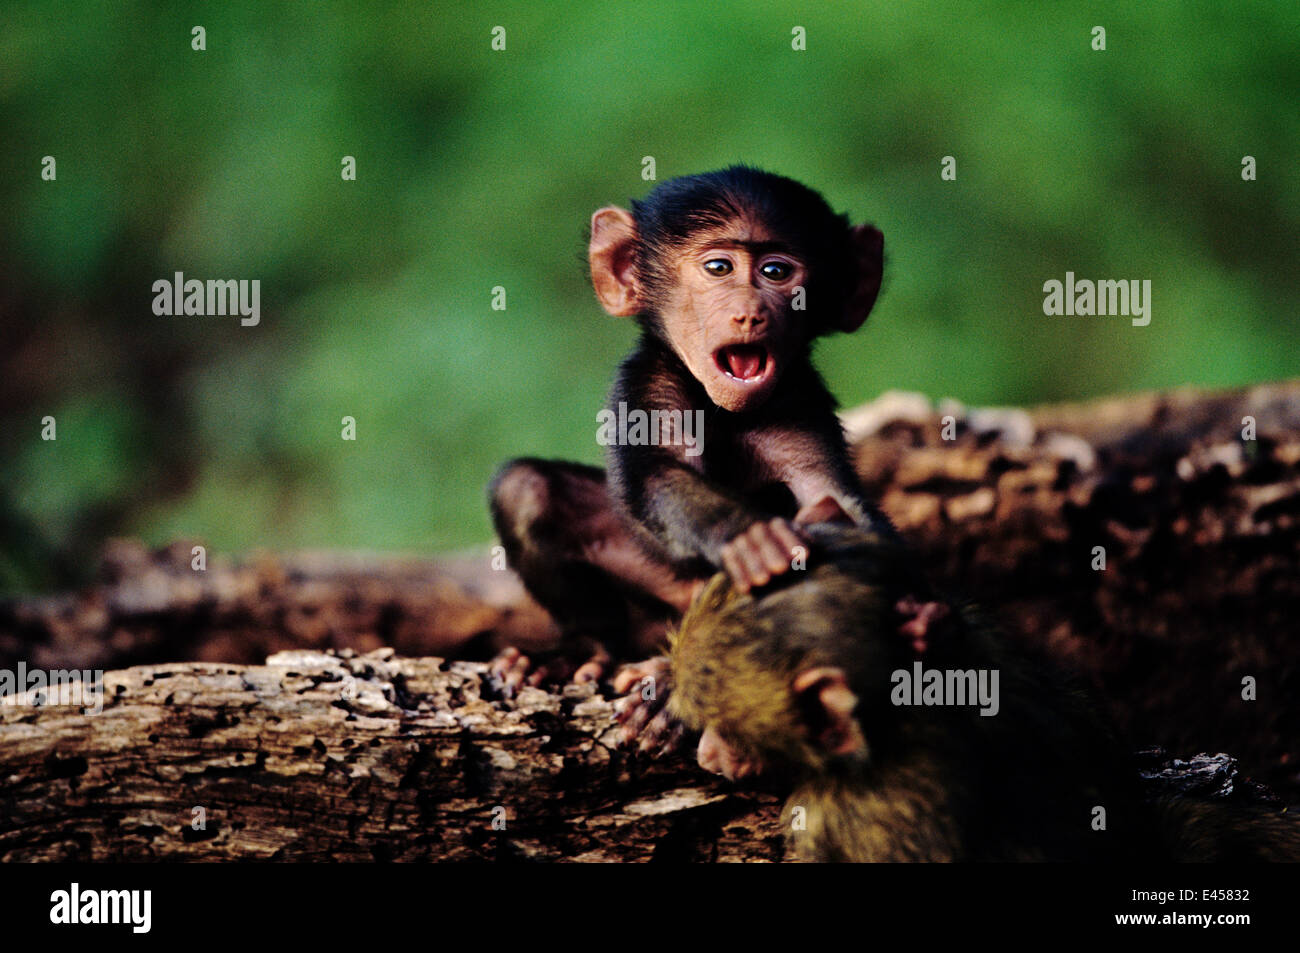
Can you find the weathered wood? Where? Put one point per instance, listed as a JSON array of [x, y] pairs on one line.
[[371, 757], [1201, 531], [324, 756], [153, 607], [1201, 588]]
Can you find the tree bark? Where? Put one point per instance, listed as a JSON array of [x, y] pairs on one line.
[[337, 756], [372, 757], [1201, 534], [1199, 526]]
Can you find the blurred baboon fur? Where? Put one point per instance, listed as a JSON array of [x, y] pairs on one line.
[[797, 676]]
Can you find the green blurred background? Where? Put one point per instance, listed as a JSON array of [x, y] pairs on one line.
[[479, 168]]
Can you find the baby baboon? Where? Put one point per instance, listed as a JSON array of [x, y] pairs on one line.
[[952, 744]]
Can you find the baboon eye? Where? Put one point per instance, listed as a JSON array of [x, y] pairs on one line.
[[718, 267], [776, 270]]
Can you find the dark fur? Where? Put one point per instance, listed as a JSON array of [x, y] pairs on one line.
[[935, 783]]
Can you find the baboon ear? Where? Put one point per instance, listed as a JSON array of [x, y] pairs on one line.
[[611, 255], [827, 704], [869, 263]]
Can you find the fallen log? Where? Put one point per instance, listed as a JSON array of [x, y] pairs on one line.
[[344, 757], [319, 756], [1193, 496]]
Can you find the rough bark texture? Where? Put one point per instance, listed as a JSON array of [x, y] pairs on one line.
[[374, 757], [1201, 532], [334, 756]]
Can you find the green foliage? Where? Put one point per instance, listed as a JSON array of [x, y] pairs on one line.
[[479, 168]]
